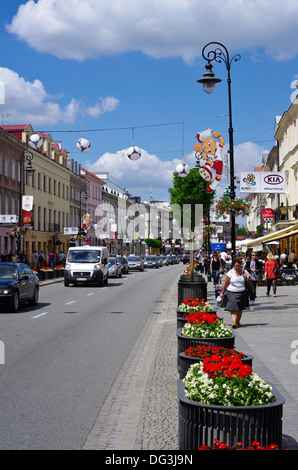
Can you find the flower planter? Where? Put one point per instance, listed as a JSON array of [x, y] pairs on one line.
[[184, 342], [181, 321], [201, 423], [41, 275], [184, 362], [188, 289]]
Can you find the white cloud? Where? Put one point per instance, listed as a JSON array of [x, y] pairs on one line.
[[105, 105], [29, 102], [80, 29], [137, 176]]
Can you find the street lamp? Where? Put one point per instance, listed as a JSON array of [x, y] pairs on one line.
[[221, 54], [83, 188], [26, 157]]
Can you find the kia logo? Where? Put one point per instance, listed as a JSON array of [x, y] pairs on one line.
[[273, 179]]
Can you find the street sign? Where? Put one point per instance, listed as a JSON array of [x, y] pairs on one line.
[[268, 215]]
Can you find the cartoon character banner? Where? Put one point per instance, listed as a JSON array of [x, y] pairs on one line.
[[210, 150]]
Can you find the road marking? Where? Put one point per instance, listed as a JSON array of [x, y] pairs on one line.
[[91, 293], [71, 302], [40, 315]]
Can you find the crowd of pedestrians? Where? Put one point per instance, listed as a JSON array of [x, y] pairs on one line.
[[236, 281], [37, 260]]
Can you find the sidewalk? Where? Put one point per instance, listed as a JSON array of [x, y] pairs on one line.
[[269, 329]]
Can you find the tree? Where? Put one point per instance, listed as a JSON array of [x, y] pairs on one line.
[[190, 190]]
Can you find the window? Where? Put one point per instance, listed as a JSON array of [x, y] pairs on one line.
[[45, 183], [13, 169], [6, 166]]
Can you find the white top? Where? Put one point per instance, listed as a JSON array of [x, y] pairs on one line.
[[237, 283]]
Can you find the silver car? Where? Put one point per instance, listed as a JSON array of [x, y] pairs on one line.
[[135, 263]]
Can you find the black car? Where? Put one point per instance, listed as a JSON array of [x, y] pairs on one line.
[[124, 264], [18, 284]]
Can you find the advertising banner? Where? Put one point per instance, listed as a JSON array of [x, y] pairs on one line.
[[262, 182], [27, 206]]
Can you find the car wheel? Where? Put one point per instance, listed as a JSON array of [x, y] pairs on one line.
[[14, 306], [66, 283], [35, 297]]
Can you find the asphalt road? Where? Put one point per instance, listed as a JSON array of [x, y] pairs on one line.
[[62, 357]]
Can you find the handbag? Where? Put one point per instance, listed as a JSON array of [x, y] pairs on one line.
[[276, 269]]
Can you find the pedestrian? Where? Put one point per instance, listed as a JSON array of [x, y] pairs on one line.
[[215, 268], [34, 260], [206, 263], [62, 258], [14, 258], [224, 255], [254, 267], [51, 259], [235, 287], [271, 277], [41, 260]]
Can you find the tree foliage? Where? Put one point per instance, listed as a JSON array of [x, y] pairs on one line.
[[190, 190]]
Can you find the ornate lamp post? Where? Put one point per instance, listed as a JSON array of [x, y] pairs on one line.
[[26, 157], [221, 54]]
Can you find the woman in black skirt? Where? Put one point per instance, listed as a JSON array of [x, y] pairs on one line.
[[237, 297]]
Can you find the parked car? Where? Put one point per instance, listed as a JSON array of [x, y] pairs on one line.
[[135, 263], [124, 264], [115, 268], [186, 258], [165, 261], [159, 260], [151, 262], [18, 284]]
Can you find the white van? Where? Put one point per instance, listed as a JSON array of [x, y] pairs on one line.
[[86, 264]]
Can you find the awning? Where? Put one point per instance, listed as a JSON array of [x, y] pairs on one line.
[[286, 232]]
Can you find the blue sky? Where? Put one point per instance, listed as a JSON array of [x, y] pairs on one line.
[[100, 69]]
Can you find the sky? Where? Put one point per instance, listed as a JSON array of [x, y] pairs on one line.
[[125, 73]]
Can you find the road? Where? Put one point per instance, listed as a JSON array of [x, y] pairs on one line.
[[62, 357]]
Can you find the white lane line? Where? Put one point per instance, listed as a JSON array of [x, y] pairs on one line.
[[91, 293], [71, 302], [40, 315]]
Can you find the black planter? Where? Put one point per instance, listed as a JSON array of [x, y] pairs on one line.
[[184, 362], [184, 342], [196, 289], [200, 423]]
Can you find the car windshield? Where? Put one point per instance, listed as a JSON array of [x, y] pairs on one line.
[[134, 258], [8, 272], [80, 256], [112, 260], [151, 258]]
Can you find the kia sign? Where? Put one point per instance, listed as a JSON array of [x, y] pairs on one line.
[[262, 182], [268, 215]]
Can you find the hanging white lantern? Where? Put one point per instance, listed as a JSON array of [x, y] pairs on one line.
[[134, 153], [83, 144], [182, 169]]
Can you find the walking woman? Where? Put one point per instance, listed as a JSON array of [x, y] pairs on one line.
[[215, 268], [270, 276], [254, 267], [237, 297]]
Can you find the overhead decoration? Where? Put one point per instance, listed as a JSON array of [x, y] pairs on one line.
[[134, 153], [83, 144], [208, 149], [35, 141], [182, 169]]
